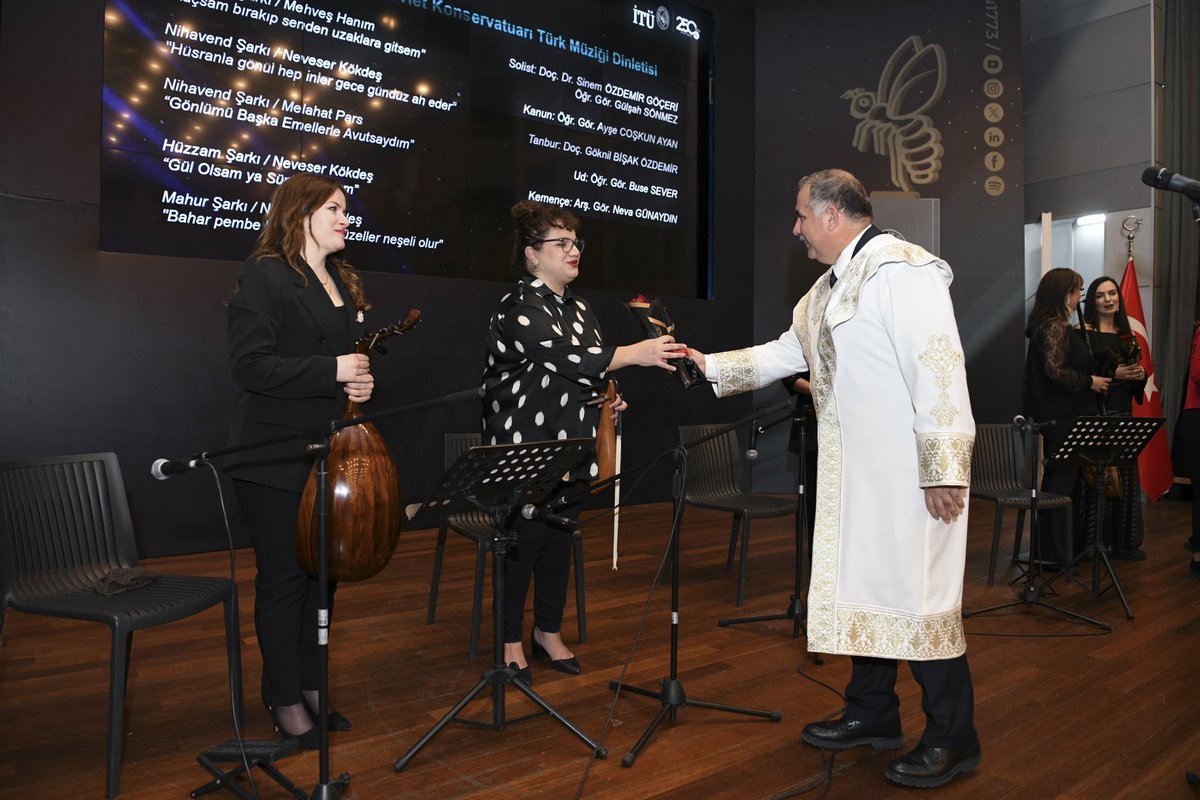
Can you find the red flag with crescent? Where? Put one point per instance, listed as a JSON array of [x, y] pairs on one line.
[[1154, 464]]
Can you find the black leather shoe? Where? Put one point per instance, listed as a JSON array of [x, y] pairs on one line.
[[567, 665], [842, 734], [336, 721], [927, 767]]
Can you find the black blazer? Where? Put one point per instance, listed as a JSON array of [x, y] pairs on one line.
[[285, 360]]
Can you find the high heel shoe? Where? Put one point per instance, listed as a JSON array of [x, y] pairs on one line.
[[309, 740], [567, 665], [525, 675], [336, 721]]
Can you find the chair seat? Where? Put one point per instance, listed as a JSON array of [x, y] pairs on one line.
[[1022, 500], [167, 599], [756, 505]]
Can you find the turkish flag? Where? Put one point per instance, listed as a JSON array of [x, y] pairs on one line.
[[1154, 464]]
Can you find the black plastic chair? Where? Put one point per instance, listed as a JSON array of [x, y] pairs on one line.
[[477, 526], [64, 524], [1000, 473], [714, 480]]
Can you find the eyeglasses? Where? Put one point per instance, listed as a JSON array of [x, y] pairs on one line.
[[565, 242]]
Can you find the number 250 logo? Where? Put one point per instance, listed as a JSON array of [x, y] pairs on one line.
[[687, 27]]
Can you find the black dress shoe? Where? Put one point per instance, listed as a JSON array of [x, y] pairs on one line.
[[336, 721], [927, 767], [567, 665], [842, 734]]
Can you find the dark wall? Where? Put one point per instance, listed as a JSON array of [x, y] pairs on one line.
[[809, 57], [106, 351]]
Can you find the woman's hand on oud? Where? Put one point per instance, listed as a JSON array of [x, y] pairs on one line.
[[354, 370]]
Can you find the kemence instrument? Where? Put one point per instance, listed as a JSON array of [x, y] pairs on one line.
[[365, 501]]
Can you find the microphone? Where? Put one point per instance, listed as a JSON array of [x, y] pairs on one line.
[[164, 468], [1162, 178], [543, 514], [752, 450]]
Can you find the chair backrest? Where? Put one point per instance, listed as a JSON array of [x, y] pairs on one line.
[[64, 523], [714, 467], [459, 443], [998, 464]]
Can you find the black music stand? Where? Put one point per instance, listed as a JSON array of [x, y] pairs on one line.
[[670, 692], [1101, 442], [498, 479], [1035, 583], [796, 610]]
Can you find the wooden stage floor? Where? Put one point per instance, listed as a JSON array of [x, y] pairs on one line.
[[1063, 710]]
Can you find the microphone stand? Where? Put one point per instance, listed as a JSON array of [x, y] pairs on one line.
[[1035, 584], [326, 789], [796, 610], [671, 693]]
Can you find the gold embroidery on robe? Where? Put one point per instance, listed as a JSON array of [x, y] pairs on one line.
[[941, 357], [894, 635], [737, 371], [944, 459]]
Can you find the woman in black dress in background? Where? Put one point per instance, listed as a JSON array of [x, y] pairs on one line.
[[1060, 385], [1116, 353]]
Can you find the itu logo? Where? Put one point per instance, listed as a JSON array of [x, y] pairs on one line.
[[644, 17]]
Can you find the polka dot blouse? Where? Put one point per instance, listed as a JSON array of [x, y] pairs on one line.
[[546, 358]]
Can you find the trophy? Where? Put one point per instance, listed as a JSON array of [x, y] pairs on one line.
[[652, 316]]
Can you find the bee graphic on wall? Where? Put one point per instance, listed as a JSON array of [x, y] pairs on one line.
[[893, 120]]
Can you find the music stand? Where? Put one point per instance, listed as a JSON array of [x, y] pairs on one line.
[[796, 611], [1101, 442], [670, 692], [497, 479], [1035, 583]]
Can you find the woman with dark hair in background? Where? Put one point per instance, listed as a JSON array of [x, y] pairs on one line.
[[1117, 354], [1059, 386], [292, 325], [547, 362]]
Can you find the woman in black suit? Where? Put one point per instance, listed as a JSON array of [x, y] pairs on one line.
[[1059, 386], [292, 325]]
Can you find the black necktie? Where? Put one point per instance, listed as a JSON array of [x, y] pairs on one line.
[[832, 279]]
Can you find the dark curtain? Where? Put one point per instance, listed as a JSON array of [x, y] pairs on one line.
[[1178, 236]]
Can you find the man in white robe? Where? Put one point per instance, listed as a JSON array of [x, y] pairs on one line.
[[895, 432]]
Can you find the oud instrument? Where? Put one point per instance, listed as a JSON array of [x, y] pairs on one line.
[[365, 502]]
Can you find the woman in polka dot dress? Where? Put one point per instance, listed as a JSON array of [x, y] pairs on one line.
[[546, 360]]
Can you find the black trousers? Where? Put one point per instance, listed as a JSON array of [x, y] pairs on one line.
[[947, 697], [542, 553], [1061, 479], [285, 597]]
